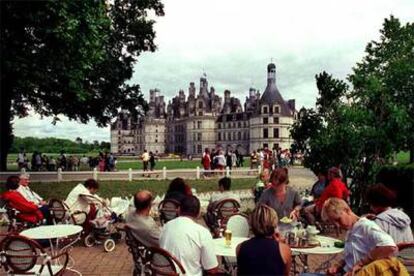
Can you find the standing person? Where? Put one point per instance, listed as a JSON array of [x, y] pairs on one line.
[[392, 220], [263, 254], [281, 197], [220, 161], [229, 161], [52, 164], [101, 162], [212, 162], [253, 160], [21, 160], [188, 241], [145, 159], [206, 162], [234, 159], [151, 161]]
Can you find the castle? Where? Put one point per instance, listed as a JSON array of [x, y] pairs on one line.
[[203, 120]]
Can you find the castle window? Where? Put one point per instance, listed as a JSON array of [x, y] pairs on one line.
[[198, 124], [234, 125], [239, 125], [219, 136], [275, 133], [200, 113], [265, 133], [265, 121], [219, 125], [200, 104], [265, 109], [156, 140], [239, 135], [229, 136], [276, 109], [199, 148], [199, 136], [234, 135], [276, 120]]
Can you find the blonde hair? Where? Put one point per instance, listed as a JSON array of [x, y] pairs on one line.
[[333, 206], [263, 221]]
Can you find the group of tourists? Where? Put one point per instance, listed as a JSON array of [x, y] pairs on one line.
[[369, 239], [219, 160], [267, 159]]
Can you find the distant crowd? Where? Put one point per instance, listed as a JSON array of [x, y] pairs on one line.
[[42, 162]]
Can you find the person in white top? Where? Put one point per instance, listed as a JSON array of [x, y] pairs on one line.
[[33, 197], [365, 241], [188, 241]]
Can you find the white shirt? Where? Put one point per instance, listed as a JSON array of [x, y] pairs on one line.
[[224, 195], [190, 243], [29, 195], [364, 236], [76, 202]]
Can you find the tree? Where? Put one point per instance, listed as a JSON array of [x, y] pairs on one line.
[[71, 58]]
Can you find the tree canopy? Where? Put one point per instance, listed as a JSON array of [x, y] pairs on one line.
[[72, 58], [359, 126]]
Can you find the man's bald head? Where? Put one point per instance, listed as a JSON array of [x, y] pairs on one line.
[[143, 200]]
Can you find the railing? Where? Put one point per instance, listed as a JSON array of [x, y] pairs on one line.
[[130, 175]]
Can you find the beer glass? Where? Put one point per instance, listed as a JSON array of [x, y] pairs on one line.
[[227, 237]]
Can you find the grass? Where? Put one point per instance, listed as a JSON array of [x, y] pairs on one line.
[[403, 157], [110, 189]]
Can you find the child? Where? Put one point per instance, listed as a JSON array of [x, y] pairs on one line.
[[261, 184]]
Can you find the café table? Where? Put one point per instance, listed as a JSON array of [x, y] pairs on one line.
[[228, 253], [52, 232], [326, 247]]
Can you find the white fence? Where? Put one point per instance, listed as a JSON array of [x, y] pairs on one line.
[[130, 175]]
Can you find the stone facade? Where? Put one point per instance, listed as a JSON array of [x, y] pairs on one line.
[[202, 120]]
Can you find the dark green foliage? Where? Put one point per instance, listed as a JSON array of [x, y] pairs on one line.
[[400, 179], [71, 58], [55, 145]]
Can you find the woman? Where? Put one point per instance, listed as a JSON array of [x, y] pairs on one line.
[[282, 198], [263, 254], [393, 221], [178, 189], [319, 186]]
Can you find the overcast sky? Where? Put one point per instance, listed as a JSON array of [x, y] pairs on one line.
[[234, 40]]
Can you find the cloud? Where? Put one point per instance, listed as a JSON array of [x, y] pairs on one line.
[[234, 40]]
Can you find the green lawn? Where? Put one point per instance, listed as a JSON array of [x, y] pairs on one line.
[[110, 189], [403, 157]]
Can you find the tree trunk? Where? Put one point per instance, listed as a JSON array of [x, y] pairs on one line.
[[6, 137]]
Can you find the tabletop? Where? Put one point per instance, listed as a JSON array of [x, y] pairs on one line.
[[51, 231], [326, 247], [227, 251]]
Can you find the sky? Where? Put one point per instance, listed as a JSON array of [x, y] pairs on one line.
[[232, 41]]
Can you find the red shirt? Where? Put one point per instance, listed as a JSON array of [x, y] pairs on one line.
[[28, 211], [336, 188]]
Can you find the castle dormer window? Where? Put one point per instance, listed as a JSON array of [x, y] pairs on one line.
[[276, 109], [265, 109], [200, 104]]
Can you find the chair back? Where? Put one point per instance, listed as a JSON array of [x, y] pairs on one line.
[[163, 263], [239, 225], [138, 251], [168, 210], [406, 256], [226, 208], [15, 224], [58, 211]]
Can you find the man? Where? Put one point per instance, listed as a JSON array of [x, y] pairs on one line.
[[33, 197], [365, 241], [336, 188], [145, 159], [224, 186], [188, 241], [142, 224]]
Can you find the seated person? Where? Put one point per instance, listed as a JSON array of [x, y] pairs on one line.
[[365, 240], [83, 198], [28, 211], [178, 189], [142, 224], [393, 221], [261, 184], [319, 186], [263, 254], [188, 241], [224, 186], [284, 199], [336, 188], [33, 197]]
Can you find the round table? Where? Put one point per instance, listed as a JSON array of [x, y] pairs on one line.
[[46, 232], [227, 251]]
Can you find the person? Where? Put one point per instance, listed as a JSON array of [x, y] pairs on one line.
[[142, 224], [206, 162], [145, 159], [224, 186], [21, 160], [151, 161], [253, 160], [178, 189], [27, 211], [83, 198], [263, 254], [392, 220], [319, 186], [365, 241], [188, 241], [219, 161], [281, 197], [336, 188], [33, 197], [261, 184]]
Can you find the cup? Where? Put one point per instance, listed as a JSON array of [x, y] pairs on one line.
[[227, 237]]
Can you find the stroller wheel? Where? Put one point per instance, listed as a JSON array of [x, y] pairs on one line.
[[89, 240], [109, 245]]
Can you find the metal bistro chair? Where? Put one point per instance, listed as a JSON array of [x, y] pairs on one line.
[[16, 224], [161, 262], [223, 210], [138, 251], [22, 256], [406, 255], [168, 209]]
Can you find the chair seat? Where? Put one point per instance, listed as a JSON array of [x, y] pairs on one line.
[[36, 268]]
